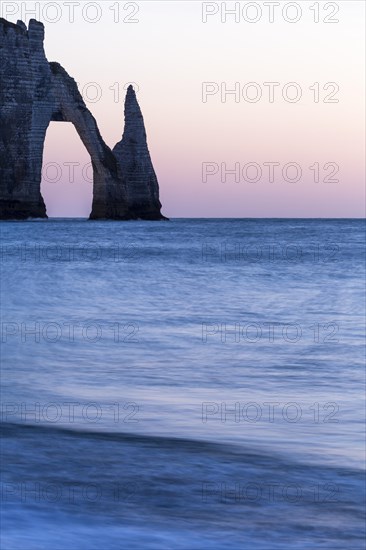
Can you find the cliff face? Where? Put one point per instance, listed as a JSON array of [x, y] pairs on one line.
[[33, 93], [26, 108]]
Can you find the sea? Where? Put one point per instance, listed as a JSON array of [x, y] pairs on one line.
[[184, 384]]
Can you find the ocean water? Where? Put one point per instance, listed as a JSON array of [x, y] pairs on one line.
[[189, 384]]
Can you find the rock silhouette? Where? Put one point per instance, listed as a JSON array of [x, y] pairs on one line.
[[135, 164], [34, 92]]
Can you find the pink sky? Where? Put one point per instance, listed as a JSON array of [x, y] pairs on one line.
[[169, 52]]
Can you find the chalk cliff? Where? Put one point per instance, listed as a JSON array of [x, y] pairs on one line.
[[34, 92]]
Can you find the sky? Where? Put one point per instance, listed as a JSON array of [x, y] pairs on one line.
[[289, 139]]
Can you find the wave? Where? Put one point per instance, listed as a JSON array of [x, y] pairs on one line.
[[154, 489]]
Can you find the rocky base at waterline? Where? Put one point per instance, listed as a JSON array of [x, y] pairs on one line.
[[22, 209], [34, 92]]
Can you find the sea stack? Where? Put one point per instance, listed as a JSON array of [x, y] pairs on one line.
[[135, 164]]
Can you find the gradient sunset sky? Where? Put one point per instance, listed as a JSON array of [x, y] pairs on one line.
[[169, 52]]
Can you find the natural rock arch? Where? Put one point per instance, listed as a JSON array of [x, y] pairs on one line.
[[109, 194], [34, 92]]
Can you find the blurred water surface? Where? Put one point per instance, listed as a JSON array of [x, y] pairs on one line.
[[184, 384]]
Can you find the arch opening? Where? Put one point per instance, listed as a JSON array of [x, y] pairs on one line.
[[67, 173]]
